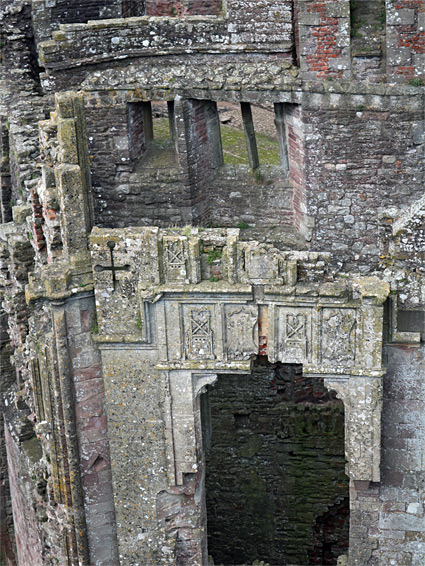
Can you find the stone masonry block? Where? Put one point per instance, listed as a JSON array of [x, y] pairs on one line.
[[67, 137], [338, 9], [403, 17], [419, 133], [418, 60], [402, 56], [65, 105], [309, 19]]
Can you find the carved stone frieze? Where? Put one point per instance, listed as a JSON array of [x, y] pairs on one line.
[[199, 338], [241, 331], [175, 260], [261, 265], [338, 336], [206, 327], [293, 335]]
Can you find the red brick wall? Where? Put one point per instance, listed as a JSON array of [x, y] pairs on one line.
[[406, 39], [324, 28], [325, 36]]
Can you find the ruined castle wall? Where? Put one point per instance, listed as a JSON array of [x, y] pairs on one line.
[[92, 428], [324, 29], [183, 7], [405, 39], [358, 161], [129, 190], [237, 196], [27, 525], [21, 81], [261, 22], [400, 532], [356, 146], [107, 134], [49, 14]]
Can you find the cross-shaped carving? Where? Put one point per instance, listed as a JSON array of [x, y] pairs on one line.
[[175, 254], [295, 325], [200, 327], [113, 268]]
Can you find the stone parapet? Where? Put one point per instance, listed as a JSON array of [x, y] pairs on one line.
[[82, 44]]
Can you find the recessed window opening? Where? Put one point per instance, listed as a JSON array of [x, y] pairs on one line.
[[163, 121], [151, 134], [250, 134], [368, 22], [276, 488], [133, 8]]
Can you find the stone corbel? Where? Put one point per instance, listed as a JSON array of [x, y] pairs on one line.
[[362, 397]]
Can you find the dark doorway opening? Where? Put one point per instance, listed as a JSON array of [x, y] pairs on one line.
[[276, 488]]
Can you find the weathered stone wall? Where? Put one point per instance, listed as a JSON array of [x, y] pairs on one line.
[[252, 25], [137, 437], [405, 40], [400, 531], [107, 134], [358, 161], [26, 522], [49, 14], [275, 465], [238, 196], [92, 428], [356, 143], [132, 187], [183, 7], [324, 29], [255, 22], [5, 183]]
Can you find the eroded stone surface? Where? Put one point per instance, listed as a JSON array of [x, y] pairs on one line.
[[137, 274]]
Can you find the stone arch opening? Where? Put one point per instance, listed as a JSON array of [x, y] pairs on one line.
[[276, 488]]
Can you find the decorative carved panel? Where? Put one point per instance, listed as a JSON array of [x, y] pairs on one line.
[[338, 336], [261, 265], [294, 335], [175, 259], [241, 331], [199, 342]]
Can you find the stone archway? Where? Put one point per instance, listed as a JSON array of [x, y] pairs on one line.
[[274, 467], [188, 329]]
